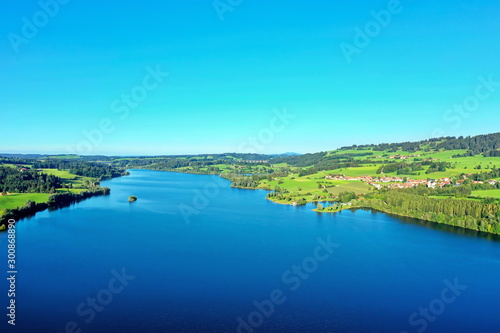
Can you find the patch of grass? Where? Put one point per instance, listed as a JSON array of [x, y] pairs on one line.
[[487, 193], [15, 200], [69, 178], [305, 187]]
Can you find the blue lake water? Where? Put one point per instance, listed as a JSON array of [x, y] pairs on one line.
[[194, 255]]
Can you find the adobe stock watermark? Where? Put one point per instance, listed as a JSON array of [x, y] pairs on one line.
[[221, 7], [11, 273], [121, 108], [456, 115], [32, 26], [372, 29], [420, 320], [254, 144], [201, 199], [292, 279], [277, 124], [88, 309]]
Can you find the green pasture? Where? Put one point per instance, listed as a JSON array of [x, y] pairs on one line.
[[76, 181], [487, 193], [15, 200]]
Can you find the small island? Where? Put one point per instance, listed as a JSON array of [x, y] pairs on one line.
[[132, 198]]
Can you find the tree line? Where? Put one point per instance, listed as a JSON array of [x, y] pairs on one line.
[[58, 200], [470, 214], [99, 171], [14, 180]]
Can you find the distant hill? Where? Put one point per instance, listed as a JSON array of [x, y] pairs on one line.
[[479, 144], [58, 156], [488, 145]]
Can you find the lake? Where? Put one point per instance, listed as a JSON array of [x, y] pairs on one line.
[[195, 255]]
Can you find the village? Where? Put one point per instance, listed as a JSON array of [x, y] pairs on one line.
[[404, 182]]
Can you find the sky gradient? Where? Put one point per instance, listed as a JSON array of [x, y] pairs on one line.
[[68, 85]]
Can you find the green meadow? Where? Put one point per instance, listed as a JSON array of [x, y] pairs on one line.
[[15, 200], [487, 193], [460, 165], [68, 178], [307, 186]]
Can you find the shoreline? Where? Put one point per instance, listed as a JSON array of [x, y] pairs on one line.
[[62, 200], [56, 201], [356, 205]]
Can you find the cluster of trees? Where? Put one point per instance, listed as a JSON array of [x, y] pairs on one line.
[[470, 214], [27, 181], [463, 191], [15, 160], [173, 162], [401, 168], [326, 165], [301, 160], [455, 191], [281, 194], [153, 163], [484, 186], [99, 171], [242, 181], [346, 196], [438, 167], [480, 144], [193, 164], [492, 153], [321, 160], [483, 176], [413, 168], [488, 144], [393, 147]]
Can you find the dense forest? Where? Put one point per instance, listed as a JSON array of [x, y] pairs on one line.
[[320, 160], [479, 144], [409, 168], [470, 214], [99, 171], [14, 180], [487, 144], [393, 147], [23, 175]]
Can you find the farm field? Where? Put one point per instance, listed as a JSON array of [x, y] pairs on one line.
[[459, 165], [15, 200], [76, 181], [487, 193], [307, 187]]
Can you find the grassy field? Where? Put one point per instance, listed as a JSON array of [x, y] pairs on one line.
[[69, 178], [487, 193], [307, 186], [460, 165], [19, 199]]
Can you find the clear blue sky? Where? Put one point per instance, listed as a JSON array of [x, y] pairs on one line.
[[227, 76]]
